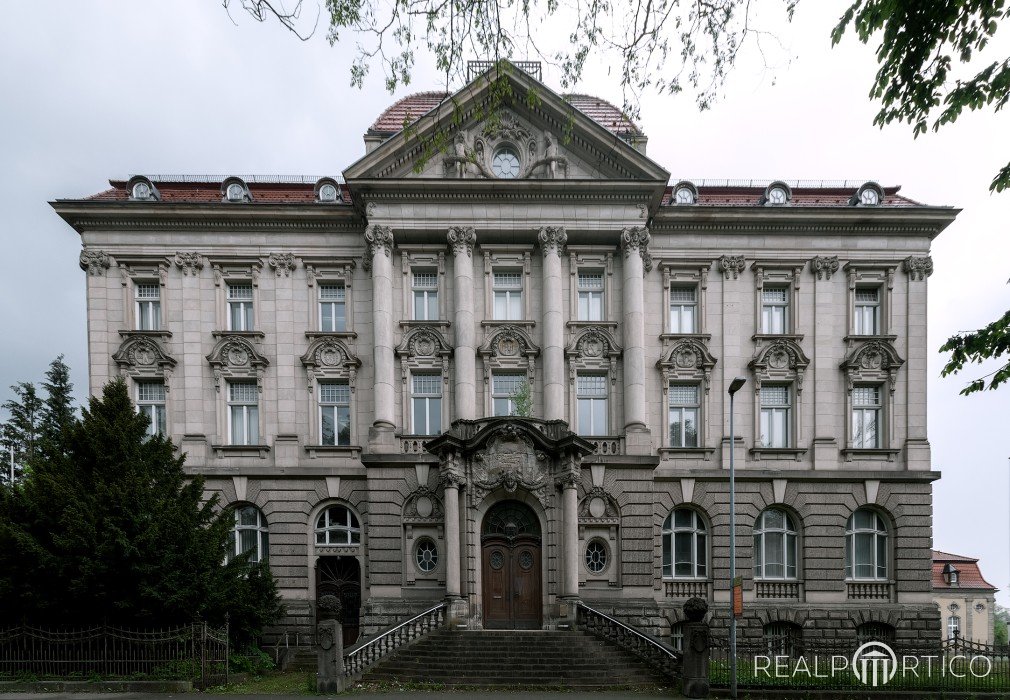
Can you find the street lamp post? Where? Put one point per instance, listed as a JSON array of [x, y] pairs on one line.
[[734, 387]]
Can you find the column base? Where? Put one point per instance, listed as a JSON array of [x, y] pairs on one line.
[[382, 438], [568, 612], [637, 439], [457, 612]]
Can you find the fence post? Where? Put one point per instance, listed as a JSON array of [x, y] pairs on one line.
[[203, 655], [227, 648], [330, 657], [696, 649]]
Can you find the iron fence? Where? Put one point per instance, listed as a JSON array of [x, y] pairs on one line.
[[786, 662], [195, 652]]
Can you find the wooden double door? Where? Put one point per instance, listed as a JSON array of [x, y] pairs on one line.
[[511, 582]]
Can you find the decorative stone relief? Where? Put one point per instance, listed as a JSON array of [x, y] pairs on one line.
[[462, 239], [509, 347], [636, 239], [189, 263], [781, 359], [593, 348], [377, 239], [142, 355], [552, 239], [95, 262], [688, 359], [918, 268], [282, 263], [235, 356], [329, 358], [509, 461], [872, 361], [731, 266], [824, 266], [423, 506], [599, 507]]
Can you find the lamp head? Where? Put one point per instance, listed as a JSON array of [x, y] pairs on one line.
[[736, 385]]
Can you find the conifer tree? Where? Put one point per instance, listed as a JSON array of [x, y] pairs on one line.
[[21, 433]]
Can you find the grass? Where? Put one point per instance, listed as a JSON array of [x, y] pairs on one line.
[[292, 683]]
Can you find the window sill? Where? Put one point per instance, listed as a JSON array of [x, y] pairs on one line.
[[145, 334], [333, 450], [863, 338], [681, 336], [260, 451], [777, 336], [874, 454], [488, 322], [418, 323], [778, 452], [584, 324], [687, 452], [240, 334], [330, 334]]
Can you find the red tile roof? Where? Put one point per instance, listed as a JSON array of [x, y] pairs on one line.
[[409, 109], [969, 575], [802, 196], [208, 191]]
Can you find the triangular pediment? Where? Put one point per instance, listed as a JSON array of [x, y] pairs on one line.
[[537, 135]]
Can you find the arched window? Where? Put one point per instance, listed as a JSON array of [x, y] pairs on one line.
[[783, 639], [875, 632], [866, 546], [685, 541], [249, 534], [775, 545], [337, 525]]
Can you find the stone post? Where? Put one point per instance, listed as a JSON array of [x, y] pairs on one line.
[[461, 240], [637, 262], [569, 503], [552, 240], [696, 649], [329, 657], [378, 260], [451, 481]]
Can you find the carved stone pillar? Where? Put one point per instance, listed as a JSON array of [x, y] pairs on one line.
[[451, 481], [378, 259], [570, 529], [461, 240], [635, 242], [552, 240]]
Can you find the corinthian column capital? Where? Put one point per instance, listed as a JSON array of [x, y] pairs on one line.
[[552, 239], [377, 238], [635, 239], [462, 239]]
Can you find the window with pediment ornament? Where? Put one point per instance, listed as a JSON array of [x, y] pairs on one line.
[[331, 367], [593, 352], [780, 365], [870, 368], [143, 357], [507, 349], [686, 367], [424, 355]]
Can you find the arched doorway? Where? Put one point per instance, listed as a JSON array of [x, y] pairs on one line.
[[340, 577], [510, 573]]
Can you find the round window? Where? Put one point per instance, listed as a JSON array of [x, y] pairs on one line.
[[141, 190], [869, 197], [426, 555], [505, 163], [235, 192], [327, 193], [777, 195], [684, 196], [596, 557]]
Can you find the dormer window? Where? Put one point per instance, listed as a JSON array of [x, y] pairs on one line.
[[327, 191], [235, 190], [685, 193], [869, 195], [777, 194], [505, 163], [141, 189], [950, 574]]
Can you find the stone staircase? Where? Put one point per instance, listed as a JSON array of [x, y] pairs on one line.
[[514, 658]]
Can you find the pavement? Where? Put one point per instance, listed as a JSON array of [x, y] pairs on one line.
[[382, 695]]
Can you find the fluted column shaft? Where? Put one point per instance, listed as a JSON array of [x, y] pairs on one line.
[[635, 242], [552, 239], [461, 240], [378, 259], [569, 502]]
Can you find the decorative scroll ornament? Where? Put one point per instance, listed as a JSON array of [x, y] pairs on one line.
[[918, 268], [95, 262], [462, 239], [423, 506], [235, 356], [510, 461], [599, 507], [873, 361], [424, 343], [824, 266], [552, 239], [636, 239], [732, 266], [142, 354], [688, 359], [781, 359], [377, 239], [189, 263], [282, 263]]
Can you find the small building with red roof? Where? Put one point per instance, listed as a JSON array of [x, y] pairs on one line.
[[966, 600]]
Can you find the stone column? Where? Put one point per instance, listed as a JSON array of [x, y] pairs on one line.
[[552, 240], [450, 499], [378, 260], [570, 515], [635, 242], [461, 240]]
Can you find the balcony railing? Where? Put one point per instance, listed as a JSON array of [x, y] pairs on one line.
[[606, 445], [414, 444], [870, 590], [778, 590], [688, 589]]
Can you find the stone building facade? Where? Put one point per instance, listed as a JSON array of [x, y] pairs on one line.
[[967, 602], [332, 353]]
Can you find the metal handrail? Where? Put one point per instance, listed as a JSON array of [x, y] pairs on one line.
[[669, 652], [391, 630]]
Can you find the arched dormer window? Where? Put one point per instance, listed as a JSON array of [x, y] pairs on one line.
[[327, 191], [869, 194], [235, 190], [684, 193], [777, 194], [249, 534], [141, 189]]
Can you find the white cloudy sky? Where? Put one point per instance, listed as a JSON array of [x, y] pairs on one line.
[[90, 91]]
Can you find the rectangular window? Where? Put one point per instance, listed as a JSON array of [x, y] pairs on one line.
[[426, 404], [591, 390], [243, 413], [683, 309], [148, 298], [508, 296], [684, 410], [866, 417], [775, 416], [503, 389], [332, 308], [151, 403], [425, 288], [590, 296], [335, 413], [775, 310], [867, 311], [240, 307]]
